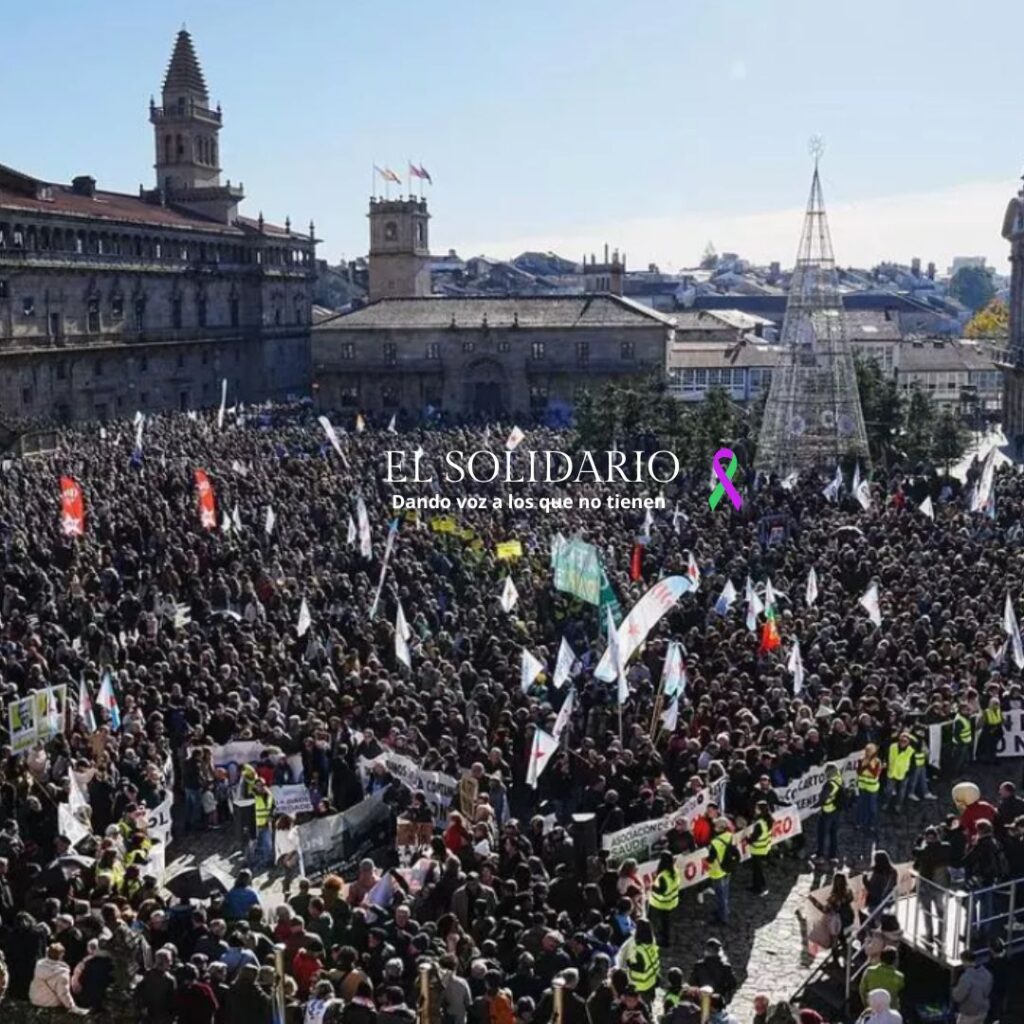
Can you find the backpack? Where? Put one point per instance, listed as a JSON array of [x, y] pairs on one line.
[[501, 1011]]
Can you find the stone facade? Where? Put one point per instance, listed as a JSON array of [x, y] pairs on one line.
[[1013, 375], [399, 249], [488, 356], [111, 303]]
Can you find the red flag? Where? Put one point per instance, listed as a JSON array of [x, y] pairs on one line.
[[207, 507], [770, 638], [72, 504], [636, 562]]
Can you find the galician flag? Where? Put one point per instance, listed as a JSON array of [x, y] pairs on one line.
[[674, 672], [363, 518], [564, 664], [670, 716], [927, 508], [615, 655], [754, 607], [515, 439], [692, 572], [106, 699], [305, 619], [544, 745], [812, 588], [391, 425], [509, 595], [564, 713], [402, 635], [529, 668], [796, 668], [85, 712], [726, 599], [869, 602], [1013, 632]]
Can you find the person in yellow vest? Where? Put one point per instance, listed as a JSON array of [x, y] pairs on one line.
[[991, 729], [721, 863], [760, 845], [645, 964], [830, 803], [664, 898], [898, 766], [869, 782], [918, 788], [263, 814], [963, 740]]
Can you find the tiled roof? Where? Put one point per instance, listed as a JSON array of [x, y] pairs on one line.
[[922, 357], [717, 319], [529, 311], [699, 355], [872, 325], [183, 72]]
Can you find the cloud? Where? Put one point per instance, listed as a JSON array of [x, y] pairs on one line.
[[738, 70], [962, 220]]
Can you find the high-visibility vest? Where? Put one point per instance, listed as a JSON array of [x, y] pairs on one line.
[[668, 898], [264, 806], [647, 976], [670, 1000], [963, 730], [867, 780], [899, 762], [761, 846], [831, 804], [920, 752], [994, 715], [719, 844]]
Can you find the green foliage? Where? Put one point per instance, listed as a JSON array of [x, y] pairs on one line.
[[917, 439], [950, 439], [991, 322], [972, 286], [882, 406]]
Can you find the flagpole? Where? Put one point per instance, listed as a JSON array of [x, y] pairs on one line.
[[388, 548]]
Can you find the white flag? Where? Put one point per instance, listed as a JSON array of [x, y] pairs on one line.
[[863, 494], [614, 654], [563, 667], [236, 518], [332, 436], [360, 423], [869, 602], [670, 716], [754, 607], [103, 433], [352, 533], [789, 481], [831, 492], [392, 429], [856, 477], [812, 588], [515, 439], [223, 403], [726, 599], [564, 714], [85, 713], [692, 572], [927, 508], [544, 745], [674, 672], [402, 635], [140, 422], [239, 468], [980, 495], [676, 516], [363, 519], [268, 525], [769, 594], [305, 619], [529, 668], [1013, 632], [509, 595], [225, 523], [796, 667]]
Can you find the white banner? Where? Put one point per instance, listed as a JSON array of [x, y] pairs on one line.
[[803, 793], [438, 787], [291, 800], [1012, 742], [237, 753], [21, 723]]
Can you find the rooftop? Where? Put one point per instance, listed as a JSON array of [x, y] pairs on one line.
[[183, 72], [701, 355]]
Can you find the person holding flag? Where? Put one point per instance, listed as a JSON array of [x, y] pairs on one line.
[[107, 699]]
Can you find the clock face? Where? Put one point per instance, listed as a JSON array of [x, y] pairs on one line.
[[390, 231]]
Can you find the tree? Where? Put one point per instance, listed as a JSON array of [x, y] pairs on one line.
[[917, 439], [949, 439], [715, 427], [882, 406], [972, 286], [991, 322], [710, 258]]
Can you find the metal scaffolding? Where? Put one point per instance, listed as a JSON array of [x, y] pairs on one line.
[[813, 416]]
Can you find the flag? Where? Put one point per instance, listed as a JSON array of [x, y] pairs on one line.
[[564, 714], [795, 665], [515, 439], [363, 519], [544, 745], [863, 494], [72, 508], [856, 477], [268, 525], [990, 508], [529, 668], [869, 602], [769, 594], [726, 599], [402, 635], [754, 607], [85, 712], [1013, 632], [352, 534], [980, 495], [636, 563], [770, 639], [564, 664], [674, 673], [392, 429], [812, 588], [831, 492], [305, 619], [670, 716], [140, 422], [509, 595], [387, 174], [225, 523], [223, 403], [676, 516], [614, 654], [789, 481], [106, 699], [692, 572], [927, 508], [332, 436], [207, 505], [239, 468], [360, 423], [420, 172], [236, 518]]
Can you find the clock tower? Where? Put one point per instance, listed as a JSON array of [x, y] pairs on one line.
[[399, 249]]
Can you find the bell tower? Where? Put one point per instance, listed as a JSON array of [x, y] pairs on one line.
[[186, 134], [399, 249]]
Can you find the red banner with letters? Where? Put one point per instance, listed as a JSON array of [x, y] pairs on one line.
[[72, 503], [207, 505]]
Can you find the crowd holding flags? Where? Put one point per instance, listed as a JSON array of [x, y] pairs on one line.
[[72, 508], [402, 636], [106, 698], [207, 505]]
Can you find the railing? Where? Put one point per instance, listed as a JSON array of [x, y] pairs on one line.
[[856, 943]]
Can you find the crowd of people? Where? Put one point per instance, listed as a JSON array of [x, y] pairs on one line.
[[512, 918]]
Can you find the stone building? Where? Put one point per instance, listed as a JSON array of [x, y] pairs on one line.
[[111, 302], [1013, 375], [408, 351]]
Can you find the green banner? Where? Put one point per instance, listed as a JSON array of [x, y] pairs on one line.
[[578, 570], [608, 600]]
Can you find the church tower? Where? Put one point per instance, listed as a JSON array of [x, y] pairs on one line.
[[1013, 368], [399, 249], [186, 134]]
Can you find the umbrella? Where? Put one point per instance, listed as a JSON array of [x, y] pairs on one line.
[[199, 883]]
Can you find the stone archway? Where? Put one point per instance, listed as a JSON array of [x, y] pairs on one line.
[[485, 388]]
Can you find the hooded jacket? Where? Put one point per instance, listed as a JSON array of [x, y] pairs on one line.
[[972, 991], [51, 985]]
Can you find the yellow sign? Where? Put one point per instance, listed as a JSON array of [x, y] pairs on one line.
[[442, 524], [509, 549], [466, 534]]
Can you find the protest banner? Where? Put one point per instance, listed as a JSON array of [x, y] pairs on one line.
[[291, 800], [325, 842], [577, 568], [442, 524], [1011, 744], [21, 723], [232, 756], [803, 793], [508, 550], [469, 790], [439, 788], [50, 711]]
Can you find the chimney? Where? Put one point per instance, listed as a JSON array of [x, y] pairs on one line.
[[84, 185]]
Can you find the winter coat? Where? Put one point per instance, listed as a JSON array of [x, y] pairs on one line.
[[51, 985]]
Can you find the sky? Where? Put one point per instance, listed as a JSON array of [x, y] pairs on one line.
[[653, 125]]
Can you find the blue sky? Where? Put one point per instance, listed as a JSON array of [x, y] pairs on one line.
[[561, 124]]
